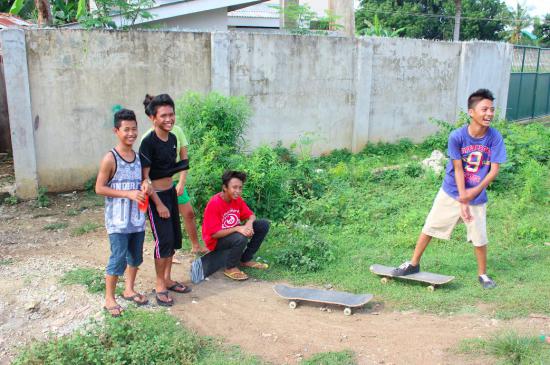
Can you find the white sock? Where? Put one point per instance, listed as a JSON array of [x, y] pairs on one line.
[[484, 277]]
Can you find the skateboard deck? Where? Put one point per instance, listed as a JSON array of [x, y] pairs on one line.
[[348, 300], [423, 276]]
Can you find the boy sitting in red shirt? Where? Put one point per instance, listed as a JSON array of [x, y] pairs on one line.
[[222, 229]]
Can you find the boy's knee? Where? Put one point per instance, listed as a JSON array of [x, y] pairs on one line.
[[116, 266], [189, 214], [134, 261], [261, 225]]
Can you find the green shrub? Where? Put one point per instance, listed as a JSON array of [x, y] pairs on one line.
[[214, 125], [306, 251], [42, 200], [11, 200]]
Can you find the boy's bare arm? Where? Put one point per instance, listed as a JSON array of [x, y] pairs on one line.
[[473, 192], [459, 179], [183, 174], [161, 208], [106, 170]]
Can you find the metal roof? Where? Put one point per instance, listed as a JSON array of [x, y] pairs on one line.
[[12, 21]]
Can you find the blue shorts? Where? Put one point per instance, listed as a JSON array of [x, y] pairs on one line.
[[126, 249]]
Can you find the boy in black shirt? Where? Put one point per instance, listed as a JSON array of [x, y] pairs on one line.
[[158, 159]]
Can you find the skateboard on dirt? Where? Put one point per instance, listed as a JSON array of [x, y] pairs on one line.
[[424, 277], [347, 300]]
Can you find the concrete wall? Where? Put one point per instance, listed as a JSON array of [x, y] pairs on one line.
[[412, 80], [77, 77], [291, 91], [340, 92]]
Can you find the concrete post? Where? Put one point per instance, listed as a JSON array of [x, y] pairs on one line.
[[346, 13], [363, 89], [19, 107], [220, 68]]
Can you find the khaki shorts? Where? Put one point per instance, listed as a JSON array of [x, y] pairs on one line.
[[445, 214]]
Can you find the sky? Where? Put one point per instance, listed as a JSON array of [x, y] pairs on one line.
[[534, 7]]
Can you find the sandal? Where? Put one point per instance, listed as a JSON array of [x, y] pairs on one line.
[[163, 303], [255, 265], [115, 311], [179, 288], [138, 299], [236, 275]]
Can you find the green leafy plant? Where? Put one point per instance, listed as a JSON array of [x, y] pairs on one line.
[[42, 200], [101, 17], [377, 29], [306, 250], [11, 200]]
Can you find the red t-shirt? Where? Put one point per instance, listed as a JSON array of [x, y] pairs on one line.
[[219, 215]]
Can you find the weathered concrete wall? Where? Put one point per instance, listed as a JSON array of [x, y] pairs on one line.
[[340, 92], [77, 77], [485, 65], [412, 80], [297, 86]]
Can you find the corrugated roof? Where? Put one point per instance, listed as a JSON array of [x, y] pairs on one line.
[[12, 21], [264, 10]]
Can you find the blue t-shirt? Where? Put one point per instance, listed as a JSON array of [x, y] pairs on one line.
[[476, 154]]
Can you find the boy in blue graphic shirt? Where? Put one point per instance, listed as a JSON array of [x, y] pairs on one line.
[[475, 153]]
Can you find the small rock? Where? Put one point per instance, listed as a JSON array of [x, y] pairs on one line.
[[328, 286], [32, 306], [266, 335]]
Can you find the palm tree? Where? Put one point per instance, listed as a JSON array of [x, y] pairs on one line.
[[458, 13], [519, 21]]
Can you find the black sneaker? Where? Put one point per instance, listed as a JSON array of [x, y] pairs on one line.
[[406, 268], [487, 283]]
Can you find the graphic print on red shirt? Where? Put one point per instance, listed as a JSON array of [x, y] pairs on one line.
[[219, 215]]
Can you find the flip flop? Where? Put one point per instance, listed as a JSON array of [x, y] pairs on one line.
[[256, 265], [163, 303], [138, 299], [236, 275], [179, 288], [113, 308]]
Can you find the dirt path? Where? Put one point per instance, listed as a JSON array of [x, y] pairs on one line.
[[248, 314]]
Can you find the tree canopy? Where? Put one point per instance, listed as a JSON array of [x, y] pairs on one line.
[[434, 19]]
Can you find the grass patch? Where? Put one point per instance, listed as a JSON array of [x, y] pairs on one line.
[[56, 226], [331, 358], [4, 262], [509, 348], [138, 337], [86, 228], [72, 212], [92, 279], [11, 200]]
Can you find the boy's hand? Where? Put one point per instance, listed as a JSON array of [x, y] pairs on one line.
[[146, 188], [245, 231], [136, 195], [163, 211], [179, 188], [465, 213]]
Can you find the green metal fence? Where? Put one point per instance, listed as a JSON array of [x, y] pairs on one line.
[[529, 91]]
